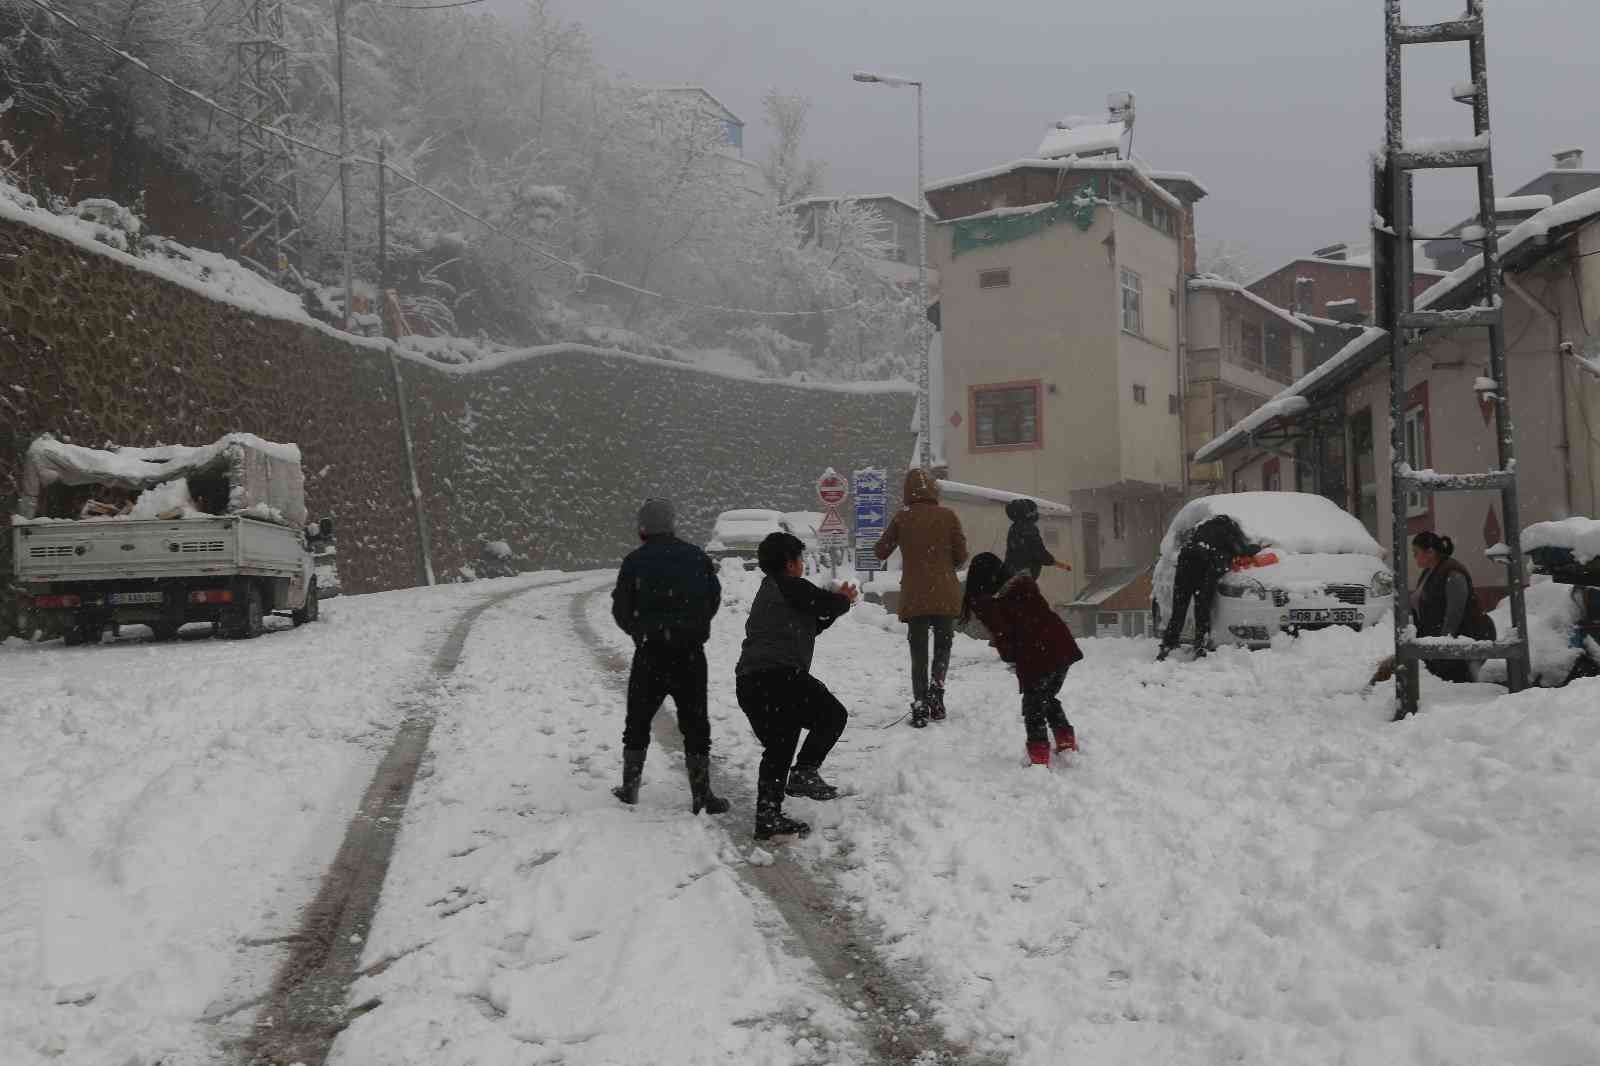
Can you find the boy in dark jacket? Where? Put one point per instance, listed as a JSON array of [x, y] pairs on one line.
[[1025, 550], [666, 595], [1210, 550], [775, 687]]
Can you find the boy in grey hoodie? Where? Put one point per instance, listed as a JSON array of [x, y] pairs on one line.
[[776, 690]]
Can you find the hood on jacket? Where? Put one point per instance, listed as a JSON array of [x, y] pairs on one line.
[[1022, 511], [921, 487]]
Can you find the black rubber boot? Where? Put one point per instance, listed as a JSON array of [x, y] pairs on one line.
[[936, 703], [919, 715], [770, 819], [700, 785], [632, 770], [806, 781], [1166, 650]]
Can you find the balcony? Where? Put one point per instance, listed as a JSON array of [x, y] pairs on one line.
[[1212, 365]]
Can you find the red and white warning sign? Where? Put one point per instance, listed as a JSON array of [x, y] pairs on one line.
[[832, 530], [832, 488]]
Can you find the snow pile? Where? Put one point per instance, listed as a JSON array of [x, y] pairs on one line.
[[1289, 521], [1580, 536], [1552, 612], [957, 490], [164, 499]]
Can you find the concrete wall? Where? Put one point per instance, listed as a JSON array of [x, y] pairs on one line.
[[551, 454]]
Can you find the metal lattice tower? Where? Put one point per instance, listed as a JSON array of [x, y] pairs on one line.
[[1395, 310], [268, 202]]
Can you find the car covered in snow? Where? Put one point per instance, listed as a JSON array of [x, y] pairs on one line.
[[1318, 567], [736, 534]]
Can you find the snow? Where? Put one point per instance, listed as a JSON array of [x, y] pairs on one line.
[[961, 491], [1127, 166], [1300, 522], [1248, 862], [1581, 536], [1082, 139], [1506, 205], [1446, 145], [164, 498], [1213, 283], [1552, 612]]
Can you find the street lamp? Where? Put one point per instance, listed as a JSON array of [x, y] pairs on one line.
[[925, 449]]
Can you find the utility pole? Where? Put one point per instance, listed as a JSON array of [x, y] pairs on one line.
[[344, 159], [383, 237]]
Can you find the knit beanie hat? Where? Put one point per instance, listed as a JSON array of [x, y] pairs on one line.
[[656, 516]]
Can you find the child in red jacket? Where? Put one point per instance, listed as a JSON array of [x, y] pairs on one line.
[[1026, 632]]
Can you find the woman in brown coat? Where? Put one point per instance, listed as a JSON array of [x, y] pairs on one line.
[[932, 547]]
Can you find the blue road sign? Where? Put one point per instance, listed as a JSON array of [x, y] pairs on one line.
[[871, 516]]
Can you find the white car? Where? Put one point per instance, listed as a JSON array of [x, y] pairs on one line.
[[738, 533], [1329, 571]]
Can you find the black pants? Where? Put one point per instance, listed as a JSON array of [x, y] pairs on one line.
[[943, 629], [659, 671], [780, 703], [1196, 580], [1041, 706]]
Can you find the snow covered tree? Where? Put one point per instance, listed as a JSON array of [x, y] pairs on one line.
[[1227, 259], [788, 175]]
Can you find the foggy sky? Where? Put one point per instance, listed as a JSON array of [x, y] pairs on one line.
[[1272, 104]]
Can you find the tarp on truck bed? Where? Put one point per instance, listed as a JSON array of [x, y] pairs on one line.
[[264, 480]]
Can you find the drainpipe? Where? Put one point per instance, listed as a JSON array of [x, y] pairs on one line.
[[1554, 321], [1183, 386]]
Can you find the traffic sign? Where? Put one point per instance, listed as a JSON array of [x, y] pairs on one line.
[[832, 532], [871, 516], [832, 488]]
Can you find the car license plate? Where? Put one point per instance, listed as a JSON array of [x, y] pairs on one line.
[[135, 597], [1336, 615]]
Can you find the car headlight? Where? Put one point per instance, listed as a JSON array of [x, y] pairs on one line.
[[1248, 588], [1382, 584]]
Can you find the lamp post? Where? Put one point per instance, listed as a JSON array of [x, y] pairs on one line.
[[925, 397]]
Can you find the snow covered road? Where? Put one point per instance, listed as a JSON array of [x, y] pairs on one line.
[[1247, 864]]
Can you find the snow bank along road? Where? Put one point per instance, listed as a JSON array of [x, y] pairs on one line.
[[1247, 863]]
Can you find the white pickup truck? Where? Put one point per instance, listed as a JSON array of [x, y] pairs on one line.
[[165, 536]]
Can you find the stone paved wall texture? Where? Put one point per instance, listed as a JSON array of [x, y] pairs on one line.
[[550, 454]]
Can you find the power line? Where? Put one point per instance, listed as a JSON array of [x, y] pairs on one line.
[[580, 274], [426, 7]]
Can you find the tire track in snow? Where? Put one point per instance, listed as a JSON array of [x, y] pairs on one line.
[[843, 945], [306, 1008]]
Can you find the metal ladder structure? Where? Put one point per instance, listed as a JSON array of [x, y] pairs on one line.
[[1395, 310], [265, 168]]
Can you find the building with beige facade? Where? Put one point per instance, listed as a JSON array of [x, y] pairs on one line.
[[1063, 289]]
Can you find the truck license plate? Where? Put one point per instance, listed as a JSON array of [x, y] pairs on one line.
[[135, 597], [1336, 615]]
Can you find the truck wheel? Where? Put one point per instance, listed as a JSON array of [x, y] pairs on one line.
[[249, 618], [311, 611], [76, 633], [163, 630]]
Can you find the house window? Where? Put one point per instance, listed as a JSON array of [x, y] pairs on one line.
[[1172, 403], [1161, 219], [1277, 351], [1006, 416], [1417, 456], [1250, 342], [1272, 476], [1140, 394], [1119, 520], [1239, 481], [1132, 302], [1091, 545], [994, 279]]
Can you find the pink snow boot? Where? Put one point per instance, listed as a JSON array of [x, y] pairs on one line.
[[1039, 752], [1066, 739]]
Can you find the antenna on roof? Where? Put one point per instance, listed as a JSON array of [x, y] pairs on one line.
[[1119, 105]]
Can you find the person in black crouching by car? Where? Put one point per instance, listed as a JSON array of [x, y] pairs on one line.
[[1444, 603], [1210, 550], [775, 687], [667, 593]]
